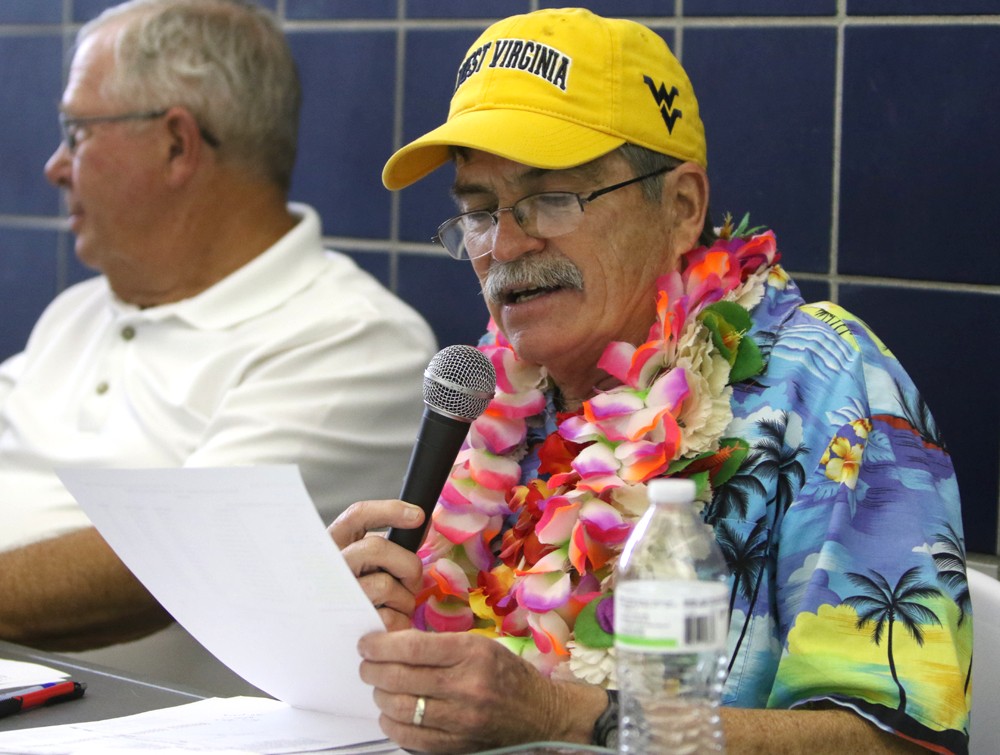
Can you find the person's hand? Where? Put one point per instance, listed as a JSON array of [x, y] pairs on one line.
[[389, 574], [477, 694]]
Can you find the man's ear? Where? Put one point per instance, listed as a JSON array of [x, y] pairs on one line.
[[685, 196], [185, 147]]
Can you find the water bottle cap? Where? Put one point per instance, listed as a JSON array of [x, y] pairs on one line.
[[671, 490]]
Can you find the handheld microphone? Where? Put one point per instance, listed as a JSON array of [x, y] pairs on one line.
[[459, 383]]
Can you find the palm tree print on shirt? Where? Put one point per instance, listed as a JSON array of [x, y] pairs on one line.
[[883, 606]]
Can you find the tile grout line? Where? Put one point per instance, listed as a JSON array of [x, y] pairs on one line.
[[397, 141], [838, 124]]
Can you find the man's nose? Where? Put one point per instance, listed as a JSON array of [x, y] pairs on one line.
[[510, 240], [57, 167]]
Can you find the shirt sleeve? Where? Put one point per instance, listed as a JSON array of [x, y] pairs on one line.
[[9, 371], [344, 407], [857, 596]]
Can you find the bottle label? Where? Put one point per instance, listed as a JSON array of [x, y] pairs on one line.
[[671, 616]]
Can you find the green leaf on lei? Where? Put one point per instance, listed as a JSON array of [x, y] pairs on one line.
[[702, 484], [587, 631], [749, 361], [516, 645], [742, 231], [727, 321], [680, 464], [731, 465]]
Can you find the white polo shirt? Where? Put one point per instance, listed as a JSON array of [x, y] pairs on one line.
[[297, 357]]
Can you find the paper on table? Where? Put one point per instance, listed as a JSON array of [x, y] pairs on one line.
[[231, 725], [240, 557], [20, 674]]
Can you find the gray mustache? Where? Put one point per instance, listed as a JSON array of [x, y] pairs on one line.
[[531, 271]]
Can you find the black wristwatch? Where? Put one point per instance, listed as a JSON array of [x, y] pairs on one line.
[[606, 727]]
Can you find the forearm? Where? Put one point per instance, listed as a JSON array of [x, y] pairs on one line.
[[73, 593], [749, 732], [578, 706]]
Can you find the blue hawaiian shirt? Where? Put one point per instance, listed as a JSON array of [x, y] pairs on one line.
[[843, 532]]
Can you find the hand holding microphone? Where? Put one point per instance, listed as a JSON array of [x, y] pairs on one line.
[[459, 383]]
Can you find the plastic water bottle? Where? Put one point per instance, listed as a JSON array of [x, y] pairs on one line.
[[671, 622]]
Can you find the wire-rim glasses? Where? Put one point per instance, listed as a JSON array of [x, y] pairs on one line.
[[542, 216], [70, 126]]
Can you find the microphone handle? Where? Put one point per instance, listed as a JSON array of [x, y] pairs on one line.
[[438, 443]]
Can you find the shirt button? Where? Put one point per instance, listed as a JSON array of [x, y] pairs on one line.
[[128, 332], [102, 388]]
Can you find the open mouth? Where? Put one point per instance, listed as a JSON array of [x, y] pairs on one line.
[[517, 296]]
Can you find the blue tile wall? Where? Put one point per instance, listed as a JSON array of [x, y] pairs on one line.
[[620, 7], [357, 9], [813, 290], [484, 9], [28, 280], [916, 7], [347, 116], [920, 153], [446, 292], [766, 96], [862, 131], [84, 10], [30, 88], [342, 9], [427, 90], [760, 8], [31, 13]]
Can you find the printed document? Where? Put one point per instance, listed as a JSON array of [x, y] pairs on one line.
[[241, 559]]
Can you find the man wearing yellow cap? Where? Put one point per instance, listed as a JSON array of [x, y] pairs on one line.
[[634, 341]]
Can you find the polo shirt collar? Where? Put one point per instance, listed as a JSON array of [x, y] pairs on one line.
[[262, 284]]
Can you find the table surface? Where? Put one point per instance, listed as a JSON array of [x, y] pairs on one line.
[[110, 692]]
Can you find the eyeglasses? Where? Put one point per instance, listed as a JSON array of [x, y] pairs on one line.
[[541, 216], [73, 128]]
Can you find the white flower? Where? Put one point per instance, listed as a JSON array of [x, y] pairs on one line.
[[631, 500], [751, 292], [706, 411], [592, 665]]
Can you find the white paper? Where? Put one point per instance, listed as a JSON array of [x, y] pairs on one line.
[[230, 725], [15, 675], [240, 557]]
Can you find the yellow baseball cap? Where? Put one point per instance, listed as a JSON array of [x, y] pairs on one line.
[[557, 88]]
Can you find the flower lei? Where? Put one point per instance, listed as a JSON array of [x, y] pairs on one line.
[[542, 586]]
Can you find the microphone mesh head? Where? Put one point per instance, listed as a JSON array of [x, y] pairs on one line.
[[459, 382]]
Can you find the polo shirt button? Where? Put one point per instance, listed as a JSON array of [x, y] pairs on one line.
[[102, 388], [128, 332]]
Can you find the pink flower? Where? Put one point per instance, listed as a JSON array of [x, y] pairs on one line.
[[543, 592], [558, 521], [493, 471], [458, 526], [550, 633], [497, 433], [447, 616]]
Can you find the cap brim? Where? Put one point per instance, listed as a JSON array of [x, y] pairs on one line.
[[524, 136]]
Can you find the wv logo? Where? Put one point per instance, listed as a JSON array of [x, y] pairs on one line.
[[665, 101]]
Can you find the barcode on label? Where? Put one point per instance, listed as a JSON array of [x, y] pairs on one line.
[[699, 629], [656, 616]]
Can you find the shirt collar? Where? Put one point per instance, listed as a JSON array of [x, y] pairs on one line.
[[262, 284]]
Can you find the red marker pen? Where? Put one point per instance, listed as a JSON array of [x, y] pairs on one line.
[[45, 694]]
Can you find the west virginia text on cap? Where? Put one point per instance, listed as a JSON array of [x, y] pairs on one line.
[[558, 88]]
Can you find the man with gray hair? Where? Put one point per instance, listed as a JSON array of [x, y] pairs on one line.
[[220, 332], [632, 342]]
